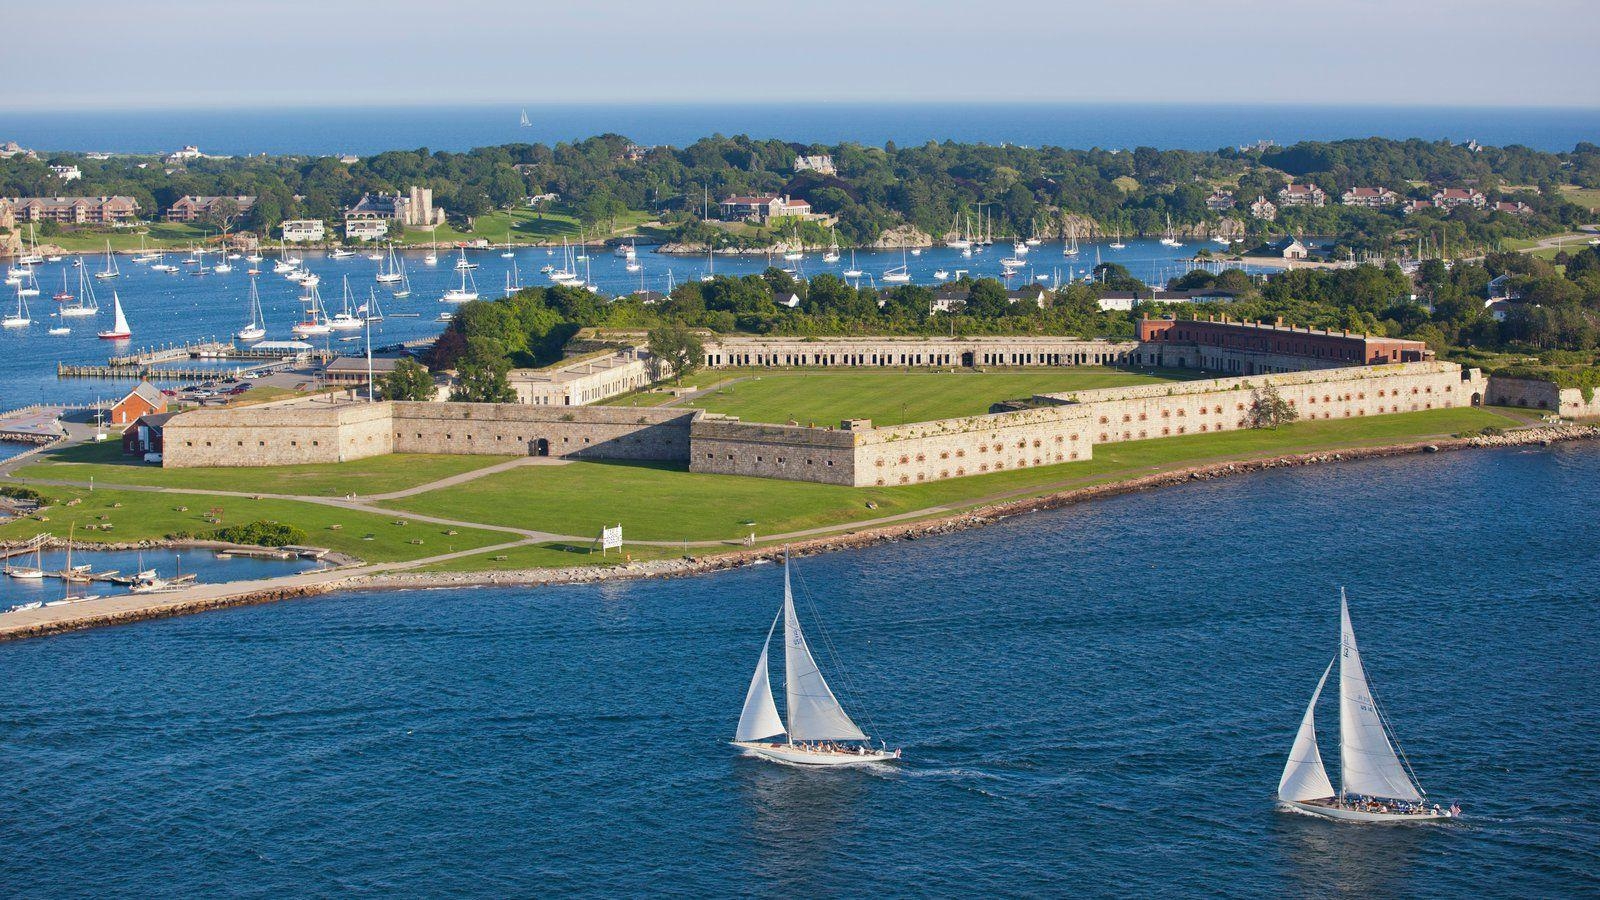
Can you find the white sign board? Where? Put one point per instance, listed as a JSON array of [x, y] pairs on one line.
[[611, 538]]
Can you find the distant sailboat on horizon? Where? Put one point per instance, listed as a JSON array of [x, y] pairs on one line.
[[526, 122], [818, 731]]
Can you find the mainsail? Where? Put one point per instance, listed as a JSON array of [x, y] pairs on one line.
[[1304, 777], [814, 713], [760, 717], [121, 324], [1368, 765]]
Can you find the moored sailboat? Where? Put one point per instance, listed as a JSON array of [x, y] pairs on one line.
[[817, 732], [1375, 783], [257, 329], [119, 330]]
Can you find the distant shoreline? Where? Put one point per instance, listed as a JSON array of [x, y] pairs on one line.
[[61, 620]]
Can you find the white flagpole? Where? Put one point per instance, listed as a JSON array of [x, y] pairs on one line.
[[368, 320]]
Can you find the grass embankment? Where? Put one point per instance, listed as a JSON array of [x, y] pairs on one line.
[[156, 236], [549, 556], [105, 464], [667, 503], [525, 226], [887, 397], [146, 515]]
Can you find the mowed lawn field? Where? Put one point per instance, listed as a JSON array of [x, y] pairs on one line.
[[664, 502], [824, 397], [105, 464]]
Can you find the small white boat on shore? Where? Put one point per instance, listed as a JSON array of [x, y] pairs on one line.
[[818, 731], [1376, 784]]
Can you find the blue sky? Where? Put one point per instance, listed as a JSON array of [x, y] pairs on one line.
[[175, 53]]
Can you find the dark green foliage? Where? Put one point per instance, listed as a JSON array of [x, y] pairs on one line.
[[408, 381], [261, 533]]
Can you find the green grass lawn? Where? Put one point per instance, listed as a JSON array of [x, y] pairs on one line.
[[377, 475], [524, 226], [667, 503], [1588, 198], [548, 556], [824, 397], [144, 515], [168, 235]]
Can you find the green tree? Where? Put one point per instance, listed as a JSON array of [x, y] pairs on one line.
[[1268, 409], [678, 347], [408, 381], [481, 374]]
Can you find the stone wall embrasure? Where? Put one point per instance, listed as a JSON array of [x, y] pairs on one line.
[[586, 432]]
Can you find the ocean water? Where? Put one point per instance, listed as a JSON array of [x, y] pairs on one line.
[[1092, 701], [367, 130], [176, 308]]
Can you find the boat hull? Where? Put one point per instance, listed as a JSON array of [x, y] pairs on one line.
[[1345, 814], [794, 755]]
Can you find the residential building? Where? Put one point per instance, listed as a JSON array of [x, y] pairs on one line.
[[66, 173], [12, 148], [1416, 206], [366, 229], [349, 159], [1370, 197], [822, 164], [414, 209], [76, 210], [299, 231], [1302, 195], [1450, 198], [143, 400], [195, 208], [950, 298], [1032, 293], [1263, 208], [1515, 208], [1220, 201], [187, 153], [1291, 248], [762, 207]]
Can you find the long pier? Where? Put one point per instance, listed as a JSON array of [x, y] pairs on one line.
[[153, 373], [170, 352]]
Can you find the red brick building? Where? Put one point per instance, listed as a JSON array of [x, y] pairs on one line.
[[1330, 347], [143, 400]]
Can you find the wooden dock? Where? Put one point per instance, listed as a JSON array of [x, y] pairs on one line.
[[169, 353], [152, 373]]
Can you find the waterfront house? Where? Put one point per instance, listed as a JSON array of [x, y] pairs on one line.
[[1263, 208], [1450, 198], [143, 400], [195, 208], [1290, 248], [366, 229], [76, 210], [413, 209], [144, 435], [1032, 293], [299, 231], [950, 298], [1369, 197], [1302, 195], [187, 153], [761, 208], [66, 173], [1220, 201]]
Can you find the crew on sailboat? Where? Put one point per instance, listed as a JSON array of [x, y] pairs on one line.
[[818, 731]]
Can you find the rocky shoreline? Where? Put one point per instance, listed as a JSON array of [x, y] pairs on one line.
[[734, 558]]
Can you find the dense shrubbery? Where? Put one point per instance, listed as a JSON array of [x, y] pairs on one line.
[[261, 533]]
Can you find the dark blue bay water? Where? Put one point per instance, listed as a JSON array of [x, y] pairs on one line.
[[1078, 125], [1092, 701]]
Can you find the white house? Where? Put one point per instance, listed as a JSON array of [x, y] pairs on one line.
[[299, 231]]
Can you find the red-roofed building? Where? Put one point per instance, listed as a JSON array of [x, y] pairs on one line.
[[1450, 198], [762, 207], [1371, 198], [1325, 349], [1302, 195], [1517, 208], [1416, 206], [143, 400]]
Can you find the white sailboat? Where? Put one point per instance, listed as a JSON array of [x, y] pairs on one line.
[[85, 304], [19, 319], [110, 271], [710, 274], [1070, 248], [525, 123], [345, 319], [389, 269], [853, 271], [1118, 244], [257, 329], [467, 292], [508, 253], [463, 262], [1375, 783], [29, 286], [1171, 238], [818, 731], [119, 330], [432, 259], [900, 274], [832, 254]]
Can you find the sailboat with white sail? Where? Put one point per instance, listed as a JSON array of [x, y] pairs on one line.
[[110, 271], [85, 304], [710, 274], [900, 274], [119, 330], [1117, 243], [389, 271], [345, 319], [20, 318], [257, 329], [818, 732], [854, 271], [315, 321], [1376, 784], [467, 292], [526, 122]]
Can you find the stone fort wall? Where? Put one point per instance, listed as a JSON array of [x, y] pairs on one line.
[[883, 352], [1535, 394], [1221, 404]]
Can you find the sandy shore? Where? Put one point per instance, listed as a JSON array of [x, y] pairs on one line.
[[131, 608]]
